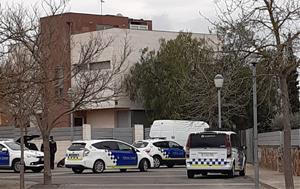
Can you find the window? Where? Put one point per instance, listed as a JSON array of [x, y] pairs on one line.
[[124, 147], [174, 145], [140, 144], [108, 145], [59, 81], [80, 67], [210, 140], [77, 147], [100, 65], [161, 144], [1, 147]]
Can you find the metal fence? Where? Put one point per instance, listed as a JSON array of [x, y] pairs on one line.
[[59, 134], [124, 134]]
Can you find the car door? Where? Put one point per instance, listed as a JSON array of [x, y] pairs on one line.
[[237, 152], [163, 147], [176, 151], [110, 149], [126, 155], [4, 156]]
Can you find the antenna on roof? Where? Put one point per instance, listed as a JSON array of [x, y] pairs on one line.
[[101, 1]]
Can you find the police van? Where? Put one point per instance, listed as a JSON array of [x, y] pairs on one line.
[[215, 152], [100, 155], [10, 156], [164, 152]]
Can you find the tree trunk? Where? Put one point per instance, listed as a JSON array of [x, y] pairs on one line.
[[47, 170], [287, 160]]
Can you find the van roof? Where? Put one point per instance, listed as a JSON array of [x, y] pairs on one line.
[[217, 132]]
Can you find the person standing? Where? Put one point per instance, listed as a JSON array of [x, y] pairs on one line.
[[53, 149]]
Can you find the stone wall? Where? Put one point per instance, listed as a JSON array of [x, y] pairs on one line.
[[271, 157]]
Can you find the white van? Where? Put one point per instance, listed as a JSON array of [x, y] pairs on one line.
[[176, 130]]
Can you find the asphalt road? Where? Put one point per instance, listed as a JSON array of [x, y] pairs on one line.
[[161, 178]]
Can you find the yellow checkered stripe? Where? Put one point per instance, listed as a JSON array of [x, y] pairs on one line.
[[74, 158], [120, 167]]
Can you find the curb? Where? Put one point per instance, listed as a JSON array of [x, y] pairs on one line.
[[263, 183]]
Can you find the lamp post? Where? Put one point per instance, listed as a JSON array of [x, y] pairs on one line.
[[255, 135], [70, 94], [219, 84]]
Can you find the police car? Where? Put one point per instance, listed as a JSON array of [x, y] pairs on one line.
[[164, 152], [10, 156], [215, 152], [100, 155]]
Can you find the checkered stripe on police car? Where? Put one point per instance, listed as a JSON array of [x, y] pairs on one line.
[[164, 153], [112, 157], [208, 162]]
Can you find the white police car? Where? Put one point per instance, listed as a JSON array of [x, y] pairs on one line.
[[100, 155], [164, 152], [215, 152], [10, 156]]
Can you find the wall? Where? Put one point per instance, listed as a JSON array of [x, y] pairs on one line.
[[271, 148], [105, 118]]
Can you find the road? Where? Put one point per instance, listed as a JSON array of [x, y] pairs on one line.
[[161, 178]]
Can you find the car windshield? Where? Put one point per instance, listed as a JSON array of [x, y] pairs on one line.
[[208, 140], [77, 146], [14, 146], [140, 144]]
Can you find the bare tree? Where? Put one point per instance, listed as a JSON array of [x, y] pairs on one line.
[[268, 28], [51, 69]]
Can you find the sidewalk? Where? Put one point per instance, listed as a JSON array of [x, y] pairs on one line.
[[271, 179]]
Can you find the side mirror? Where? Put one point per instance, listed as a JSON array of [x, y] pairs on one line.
[[136, 150], [4, 150]]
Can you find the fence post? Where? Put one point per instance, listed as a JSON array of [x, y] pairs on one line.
[[86, 132], [138, 132]]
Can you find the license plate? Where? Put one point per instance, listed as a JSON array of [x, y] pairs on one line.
[[207, 154]]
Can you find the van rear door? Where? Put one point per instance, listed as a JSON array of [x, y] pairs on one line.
[[208, 146]]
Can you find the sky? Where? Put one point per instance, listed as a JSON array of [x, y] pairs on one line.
[[166, 15]]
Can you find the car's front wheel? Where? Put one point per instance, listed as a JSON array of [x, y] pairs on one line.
[[231, 173], [144, 165], [16, 165]]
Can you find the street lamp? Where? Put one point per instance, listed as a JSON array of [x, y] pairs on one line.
[[255, 132], [219, 84], [71, 95]]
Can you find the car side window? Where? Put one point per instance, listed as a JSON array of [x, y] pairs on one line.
[[107, 145], [124, 147], [174, 145], [163, 144]]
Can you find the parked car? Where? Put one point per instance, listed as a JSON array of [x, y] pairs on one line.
[[164, 152], [100, 155], [10, 156], [215, 151], [176, 130]]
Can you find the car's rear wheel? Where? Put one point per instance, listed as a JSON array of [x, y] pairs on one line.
[[123, 170], [37, 169], [16, 165], [144, 165], [156, 161], [99, 166], [190, 174], [77, 170]]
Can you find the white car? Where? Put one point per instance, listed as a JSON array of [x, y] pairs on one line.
[[164, 152], [100, 155], [215, 152], [10, 156]]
